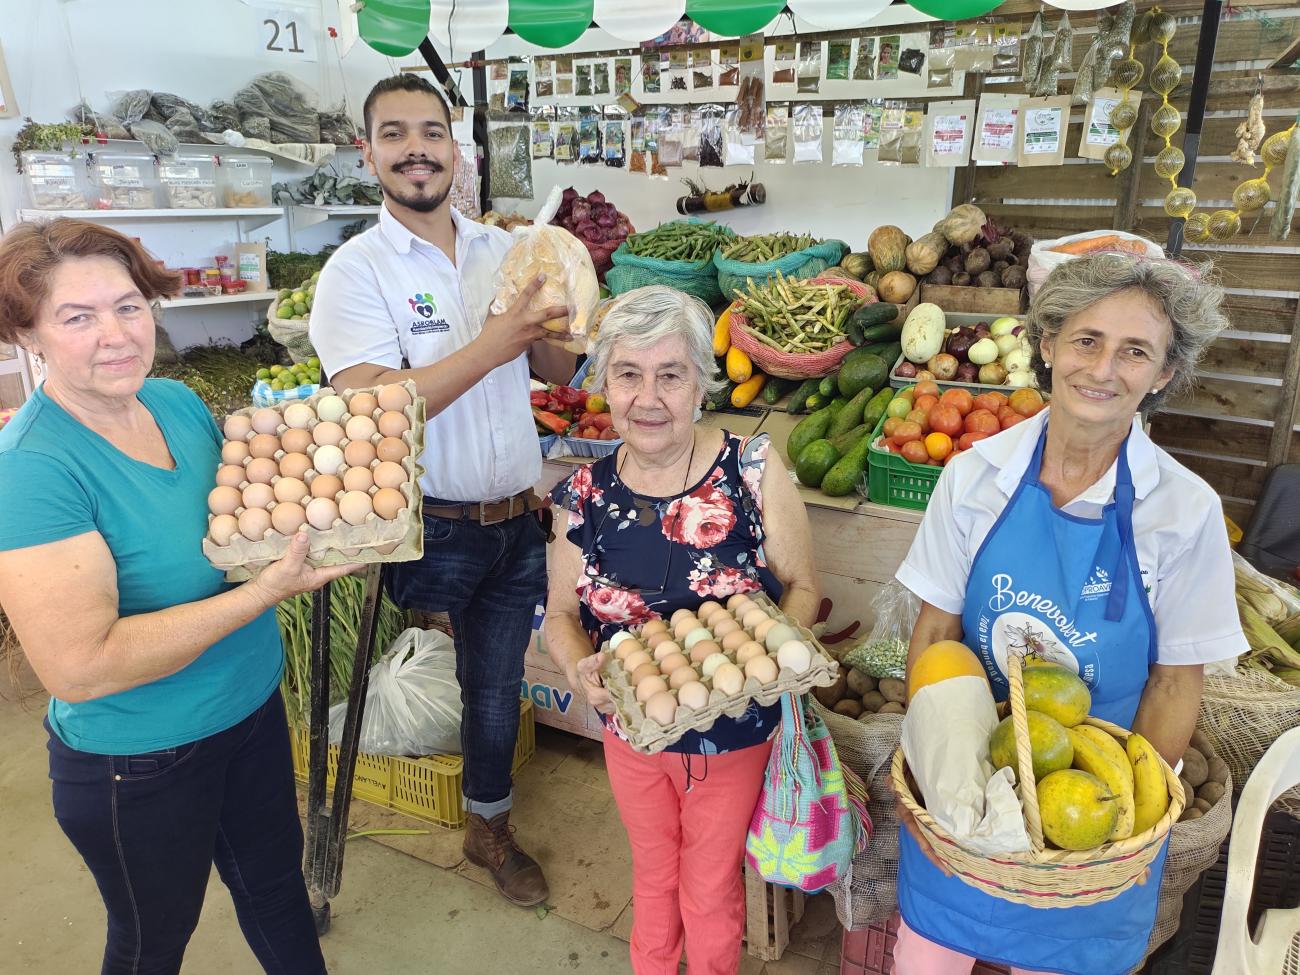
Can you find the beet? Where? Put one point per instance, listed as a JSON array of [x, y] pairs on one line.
[[606, 219], [959, 344], [905, 370], [968, 372], [595, 196]]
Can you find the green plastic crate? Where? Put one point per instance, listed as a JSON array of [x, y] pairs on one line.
[[897, 482]]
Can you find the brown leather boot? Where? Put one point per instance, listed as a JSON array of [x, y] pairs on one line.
[[490, 843]]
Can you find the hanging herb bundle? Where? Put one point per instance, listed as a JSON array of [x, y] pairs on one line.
[[48, 137]]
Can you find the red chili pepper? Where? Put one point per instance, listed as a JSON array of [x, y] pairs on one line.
[[567, 395], [538, 398], [552, 422]]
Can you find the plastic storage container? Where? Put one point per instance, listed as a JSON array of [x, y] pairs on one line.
[[870, 951], [55, 180], [246, 181], [124, 181], [189, 182]]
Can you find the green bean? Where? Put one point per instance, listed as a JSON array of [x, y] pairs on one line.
[[797, 316]]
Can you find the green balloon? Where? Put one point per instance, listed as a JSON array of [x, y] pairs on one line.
[[550, 23], [955, 9], [732, 18], [394, 27]]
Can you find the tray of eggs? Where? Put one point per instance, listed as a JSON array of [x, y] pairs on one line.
[[340, 467], [668, 677]]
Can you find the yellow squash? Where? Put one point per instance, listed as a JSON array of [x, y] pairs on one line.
[[739, 366], [745, 392], [722, 333]]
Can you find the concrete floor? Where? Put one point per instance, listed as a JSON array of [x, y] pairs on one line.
[[395, 914]]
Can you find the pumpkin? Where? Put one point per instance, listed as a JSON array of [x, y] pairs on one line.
[[962, 224], [924, 254], [888, 248], [871, 279], [859, 265], [836, 272], [896, 287]]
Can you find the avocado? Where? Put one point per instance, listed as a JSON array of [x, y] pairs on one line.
[[810, 428], [863, 371], [817, 458]]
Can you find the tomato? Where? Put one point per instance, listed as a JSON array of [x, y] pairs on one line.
[[927, 387], [991, 402], [908, 394], [921, 419], [1026, 401], [908, 431], [893, 447], [891, 425], [938, 445], [959, 399], [925, 402], [1005, 412], [948, 460], [967, 440], [946, 419], [982, 421], [899, 407], [1012, 420], [915, 452], [590, 433]]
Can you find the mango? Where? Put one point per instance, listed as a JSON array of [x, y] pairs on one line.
[[1048, 741], [1058, 692]]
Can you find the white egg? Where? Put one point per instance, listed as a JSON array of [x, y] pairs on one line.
[[327, 460], [693, 695], [618, 638], [331, 408], [695, 636], [779, 635], [729, 679], [795, 656], [298, 415], [712, 663]]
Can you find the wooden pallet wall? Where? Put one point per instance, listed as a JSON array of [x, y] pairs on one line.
[[1223, 429]]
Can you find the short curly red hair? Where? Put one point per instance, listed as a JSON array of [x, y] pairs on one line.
[[31, 251]]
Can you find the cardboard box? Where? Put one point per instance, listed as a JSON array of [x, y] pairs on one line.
[[556, 705]]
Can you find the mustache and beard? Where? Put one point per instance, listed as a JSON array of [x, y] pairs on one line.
[[422, 200]]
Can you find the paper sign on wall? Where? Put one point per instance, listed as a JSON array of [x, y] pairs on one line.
[[1098, 134], [1043, 125], [996, 123], [288, 32], [948, 128]]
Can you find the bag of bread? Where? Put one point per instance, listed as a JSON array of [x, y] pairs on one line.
[[544, 248]]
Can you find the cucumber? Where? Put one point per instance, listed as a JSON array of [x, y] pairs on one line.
[[817, 402], [863, 322], [851, 416], [827, 386], [799, 398], [776, 387], [721, 399]]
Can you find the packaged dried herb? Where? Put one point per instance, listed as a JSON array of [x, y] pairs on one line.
[[615, 147], [810, 69], [650, 73], [600, 78], [710, 127], [589, 137], [839, 55], [1033, 52], [783, 63], [636, 146], [776, 147], [729, 65], [847, 134], [701, 69], [622, 76], [511, 166], [864, 64], [582, 78], [544, 77]]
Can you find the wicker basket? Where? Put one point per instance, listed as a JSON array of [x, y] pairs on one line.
[[1044, 877], [796, 365]]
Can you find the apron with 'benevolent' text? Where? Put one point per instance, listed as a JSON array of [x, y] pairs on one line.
[[1068, 590]]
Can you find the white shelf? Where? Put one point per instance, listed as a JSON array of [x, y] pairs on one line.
[[310, 214], [248, 296], [179, 213]]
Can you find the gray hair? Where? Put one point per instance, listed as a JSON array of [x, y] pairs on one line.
[[1192, 304], [645, 316]]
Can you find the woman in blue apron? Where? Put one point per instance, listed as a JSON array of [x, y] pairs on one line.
[[1071, 537]]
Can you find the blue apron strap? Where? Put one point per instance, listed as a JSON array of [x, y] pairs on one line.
[[1124, 497]]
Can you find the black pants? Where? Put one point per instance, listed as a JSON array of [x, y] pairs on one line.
[[150, 827]]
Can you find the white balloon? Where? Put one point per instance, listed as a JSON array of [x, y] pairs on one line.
[[840, 14], [637, 20], [475, 26], [1082, 4]]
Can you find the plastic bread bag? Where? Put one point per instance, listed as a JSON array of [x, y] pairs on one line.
[[808, 132], [544, 248]]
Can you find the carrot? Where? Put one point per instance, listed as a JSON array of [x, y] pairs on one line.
[[1108, 242]]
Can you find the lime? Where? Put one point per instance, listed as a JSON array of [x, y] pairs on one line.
[[315, 275], [298, 296], [264, 374], [315, 376], [289, 383], [295, 318], [276, 384], [314, 362], [276, 370], [300, 308], [284, 311]]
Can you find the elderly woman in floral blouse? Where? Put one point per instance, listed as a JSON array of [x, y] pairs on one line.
[[680, 514]]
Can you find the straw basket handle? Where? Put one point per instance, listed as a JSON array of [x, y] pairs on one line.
[[1024, 749]]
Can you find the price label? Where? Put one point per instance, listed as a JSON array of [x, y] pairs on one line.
[[287, 32]]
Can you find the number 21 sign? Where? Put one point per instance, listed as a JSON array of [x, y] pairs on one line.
[[287, 32]]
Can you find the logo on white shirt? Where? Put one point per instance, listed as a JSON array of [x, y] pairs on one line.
[[1098, 584], [425, 308]]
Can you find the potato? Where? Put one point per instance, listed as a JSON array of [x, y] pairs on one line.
[[1190, 814], [1218, 770], [849, 708], [1202, 805], [893, 689], [867, 716], [1189, 793], [860, 683], [1211, 792], [892, 707], [1196, 769], [1202, 744], [830, 696], [873, 700]]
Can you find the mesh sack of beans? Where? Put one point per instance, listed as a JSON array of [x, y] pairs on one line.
[[678, 254], [760, 258]]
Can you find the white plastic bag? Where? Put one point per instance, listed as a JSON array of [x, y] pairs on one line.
[[413, 700], [1043, 260]]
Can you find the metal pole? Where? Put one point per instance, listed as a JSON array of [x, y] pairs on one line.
[[481, 129], [1196, 111]]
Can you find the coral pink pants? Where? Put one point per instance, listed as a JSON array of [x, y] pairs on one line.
[[687, 846], [915, 955]]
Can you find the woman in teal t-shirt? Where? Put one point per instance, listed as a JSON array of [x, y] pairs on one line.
[[168, 746]]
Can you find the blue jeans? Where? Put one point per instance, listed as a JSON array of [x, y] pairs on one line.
[[489, 580], [150, 827]]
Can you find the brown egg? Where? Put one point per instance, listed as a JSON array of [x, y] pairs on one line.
[[234, 452], [626, 648], [359, 453], [679, 614], [752, 618], [258, 495], [266, 420], [298, 415], [237, 427], [725, 627], [223, 528], [393, 424], [762, 629], [393, 397], [693, 695], [763, 669], [362, 404], [664, 648], [649, 687], [389, 475], [264, 445], [287, 517], [673, 661], [661, 709], [358, 479], [633, 660], [391, 449], [388, 503], [743, 607], [224, 500], [645, 672], [262, 470], [708, 608], [748, 651], [296, 441], [295, 465], [355, 506], [360, 428], [322, 513], [290, 489], [736, 600], [683, 625], [230, 475], [655, 639], [682, 675], [703, 650], [732, 642], [327, 434], [254, 523], [326, 486], [653, 627]]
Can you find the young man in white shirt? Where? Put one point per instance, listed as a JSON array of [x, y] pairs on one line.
[[408, 299]]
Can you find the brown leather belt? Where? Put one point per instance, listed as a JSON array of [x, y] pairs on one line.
[[486, 512]]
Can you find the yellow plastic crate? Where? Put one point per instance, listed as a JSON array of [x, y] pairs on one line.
[[427, 789]]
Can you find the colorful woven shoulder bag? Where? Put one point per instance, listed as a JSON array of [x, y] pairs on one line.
[[811, 816]]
